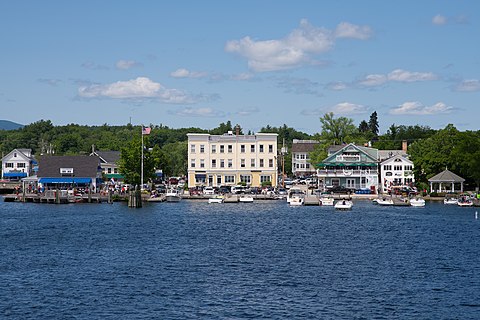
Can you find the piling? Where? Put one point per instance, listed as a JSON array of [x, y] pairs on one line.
[[135, 198]]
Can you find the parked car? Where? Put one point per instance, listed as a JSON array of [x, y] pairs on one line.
[[208, 191], [341, 189]]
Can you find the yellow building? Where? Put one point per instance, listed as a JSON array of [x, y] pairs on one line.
[[231, 159]]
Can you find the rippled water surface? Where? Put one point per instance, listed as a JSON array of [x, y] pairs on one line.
[[193, 260]]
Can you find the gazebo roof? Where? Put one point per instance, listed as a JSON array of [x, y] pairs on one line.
[[446, 176]]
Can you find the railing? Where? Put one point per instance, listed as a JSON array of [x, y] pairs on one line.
[[347, 173], [348, 158]]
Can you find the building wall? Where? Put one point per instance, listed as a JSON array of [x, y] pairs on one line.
[[15, 161], [396, 171], [215, 160]]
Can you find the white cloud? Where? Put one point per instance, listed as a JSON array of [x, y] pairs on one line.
[[242, 76], [248, 111], [416, 108], [469, 85], [397, 75], [127, 64], [439, 20], [348, 30], [407, 76], [337, 86], [199, 112], [347, 108], [294, 50], [184, 73], [139, 88], [373, 80]]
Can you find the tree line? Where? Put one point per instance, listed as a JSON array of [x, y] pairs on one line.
[[166, 148]]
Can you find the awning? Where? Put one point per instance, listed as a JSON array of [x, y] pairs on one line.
[[14, 174], [65, 180], [200, 176], [114, 176]]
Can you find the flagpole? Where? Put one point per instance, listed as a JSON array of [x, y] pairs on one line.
[[141, 178]]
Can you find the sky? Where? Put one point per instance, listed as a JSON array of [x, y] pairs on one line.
[[255, 63]]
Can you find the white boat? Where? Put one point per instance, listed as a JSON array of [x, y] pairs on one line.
[[172, 195], [326, 201], [297, 200], [246, 198], [343, 205], [464, 201], [450, 201], [294, 192], [385, 201], [216, 199], [417, 202]]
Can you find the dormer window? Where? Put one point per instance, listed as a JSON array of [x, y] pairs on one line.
[[66, 172]]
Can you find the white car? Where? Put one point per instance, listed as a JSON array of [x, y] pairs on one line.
[[208, 191]]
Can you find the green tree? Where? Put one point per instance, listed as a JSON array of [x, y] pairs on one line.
[[363, 127], [337, 130], [130, 162], [373, 125]]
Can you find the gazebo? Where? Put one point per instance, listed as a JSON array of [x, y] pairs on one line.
[[446, 177]]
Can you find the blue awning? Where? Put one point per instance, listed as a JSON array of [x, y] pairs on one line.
[[65, 180], [14, 174]]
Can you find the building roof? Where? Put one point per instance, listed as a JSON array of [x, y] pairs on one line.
[[24, 153], [396, 158], [83, 166], [304, 145], [446, 176], [107, 156], [386, 154]]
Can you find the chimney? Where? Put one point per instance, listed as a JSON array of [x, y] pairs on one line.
[[404, 145]]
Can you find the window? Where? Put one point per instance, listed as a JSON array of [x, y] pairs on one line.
[[214, 148], [222, 163], [242, 148], [109, 170], [408, 167], [115, 170], [387, 167], [192, 148], [230, 148], [252, 163], [202, 148], [21, 165], [202, 163], [252, 148], [261, 163], [230, 163], [302, 157], [9, 165], [219, 180], [214, 163], [397, 168], [246, 179], [242, 163], [192, 163], [222, 148], [261, 148], [307, 165], [15, 155], [270, 148], [265, 178], [270, 163], [229, 179]]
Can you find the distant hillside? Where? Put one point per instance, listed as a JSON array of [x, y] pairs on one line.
[[9, 125]]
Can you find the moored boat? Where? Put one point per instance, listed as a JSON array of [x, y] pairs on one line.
[[246, 198], [326, 201], [294, 192], [417, 202], [172, 195], [343, 205], [297, 200], [216, 199], [385, 201], [464, 201], [450, 200]]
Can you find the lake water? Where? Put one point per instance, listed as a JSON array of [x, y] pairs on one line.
[[194, 260]]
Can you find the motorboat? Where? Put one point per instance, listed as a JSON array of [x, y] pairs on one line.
[[385, 201], [297, 200], [343, 205], [417, 202], [172, 195], [450, 200], [294, 192], [326, 201], [246, 198], [464, 201], [216, 199]]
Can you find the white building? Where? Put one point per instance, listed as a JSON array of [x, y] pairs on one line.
[[17, 164], [396, 171], [301, 165], [230, 159]]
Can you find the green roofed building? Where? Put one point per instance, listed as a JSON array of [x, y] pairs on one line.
[[350, 166]]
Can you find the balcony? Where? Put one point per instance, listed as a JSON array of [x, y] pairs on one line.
[[346, 173], [348, 158]]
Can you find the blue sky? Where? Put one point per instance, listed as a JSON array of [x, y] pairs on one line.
[[199, 63]]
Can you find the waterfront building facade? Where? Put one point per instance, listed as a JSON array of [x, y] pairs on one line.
[[301, 165], [231, 159], [396, 171], [109, 164], [17, 164], [349, 166]]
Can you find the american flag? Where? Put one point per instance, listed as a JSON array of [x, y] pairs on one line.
[[146, 130]]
